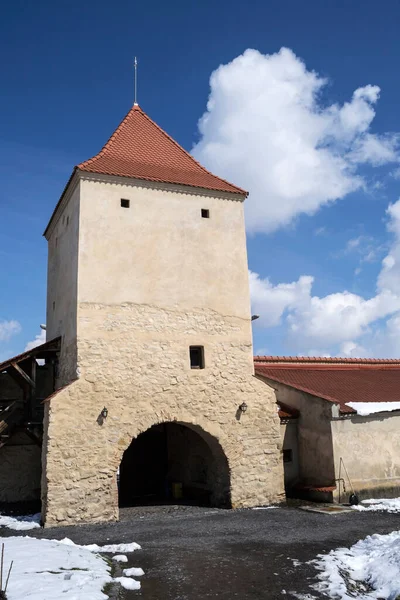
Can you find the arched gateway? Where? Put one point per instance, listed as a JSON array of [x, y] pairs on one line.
[[172, 462]]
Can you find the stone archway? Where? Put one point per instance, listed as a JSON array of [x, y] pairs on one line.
[[174, 462]]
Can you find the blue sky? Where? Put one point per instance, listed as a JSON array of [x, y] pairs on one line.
[[66, 81]]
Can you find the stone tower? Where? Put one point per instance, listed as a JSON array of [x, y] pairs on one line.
[[148, 289]]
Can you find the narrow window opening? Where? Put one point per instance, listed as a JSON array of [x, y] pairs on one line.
[[125, 203], [67, 221], [205, 213], [287, 456], [56, 242], [196, 357], [54, 306]]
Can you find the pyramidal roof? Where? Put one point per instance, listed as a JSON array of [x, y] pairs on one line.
[[139, 148]]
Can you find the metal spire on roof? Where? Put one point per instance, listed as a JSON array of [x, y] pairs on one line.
[[135, 65]]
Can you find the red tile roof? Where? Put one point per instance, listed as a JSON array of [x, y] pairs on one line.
[[139, 148], [337, 380]]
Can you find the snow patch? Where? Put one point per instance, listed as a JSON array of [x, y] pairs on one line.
[[120, 558], [370, 408], [368, 570], [20, 523], [133, 572], [296, 563], [391, 505], [264, 507], [112, 548], [128, 583], [60, 570]]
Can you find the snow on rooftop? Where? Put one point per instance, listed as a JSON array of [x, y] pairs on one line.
[[368, 570], [370, 408]]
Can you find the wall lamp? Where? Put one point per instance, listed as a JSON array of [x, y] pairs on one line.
[[243, 407], [255, 317], [104, 413]]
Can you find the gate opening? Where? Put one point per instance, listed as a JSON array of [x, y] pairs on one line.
[[174, 463]]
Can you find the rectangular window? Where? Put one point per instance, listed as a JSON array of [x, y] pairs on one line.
[[287, 456], [67, 221], [125, 203], [196, 357], [205, 213], [54, 306]]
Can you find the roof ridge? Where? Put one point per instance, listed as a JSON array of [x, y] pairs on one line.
[[323, 359]]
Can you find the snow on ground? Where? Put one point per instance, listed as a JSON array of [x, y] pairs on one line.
[[368, 570], [108, 547], [370, 408], [264, 507], [60, 570], [128, 583], [20, 523], [133, 572], [391, 505], [120, 558]]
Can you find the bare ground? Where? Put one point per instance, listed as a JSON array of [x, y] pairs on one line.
[[193, 553]]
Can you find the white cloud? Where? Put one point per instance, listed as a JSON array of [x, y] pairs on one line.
[[39, 339], [337, 321], [320, 231], [266, 129], [352, 350], [8, 329], [375, 150], [389, 277], [272, 301], [366, 247]]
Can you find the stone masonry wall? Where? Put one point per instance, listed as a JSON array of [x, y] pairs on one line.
[[135, 361]]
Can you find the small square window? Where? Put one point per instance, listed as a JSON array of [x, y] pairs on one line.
[[196, 357], [125, 203], [287, 456], [205, 213]]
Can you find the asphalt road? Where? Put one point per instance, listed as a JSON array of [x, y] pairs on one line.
[[198, 553]]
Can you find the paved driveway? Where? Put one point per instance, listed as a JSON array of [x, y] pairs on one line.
[[195, 554]]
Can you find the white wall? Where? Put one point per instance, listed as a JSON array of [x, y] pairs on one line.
[[62, 282], [161, 251], [316, 462], [370, 448]]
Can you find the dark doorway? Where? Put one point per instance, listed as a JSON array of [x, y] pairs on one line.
[[174, 463]]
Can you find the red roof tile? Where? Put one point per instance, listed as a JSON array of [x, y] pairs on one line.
[[336, 380], [141, 149]]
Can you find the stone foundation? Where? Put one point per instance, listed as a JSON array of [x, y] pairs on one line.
[[144, 378]]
